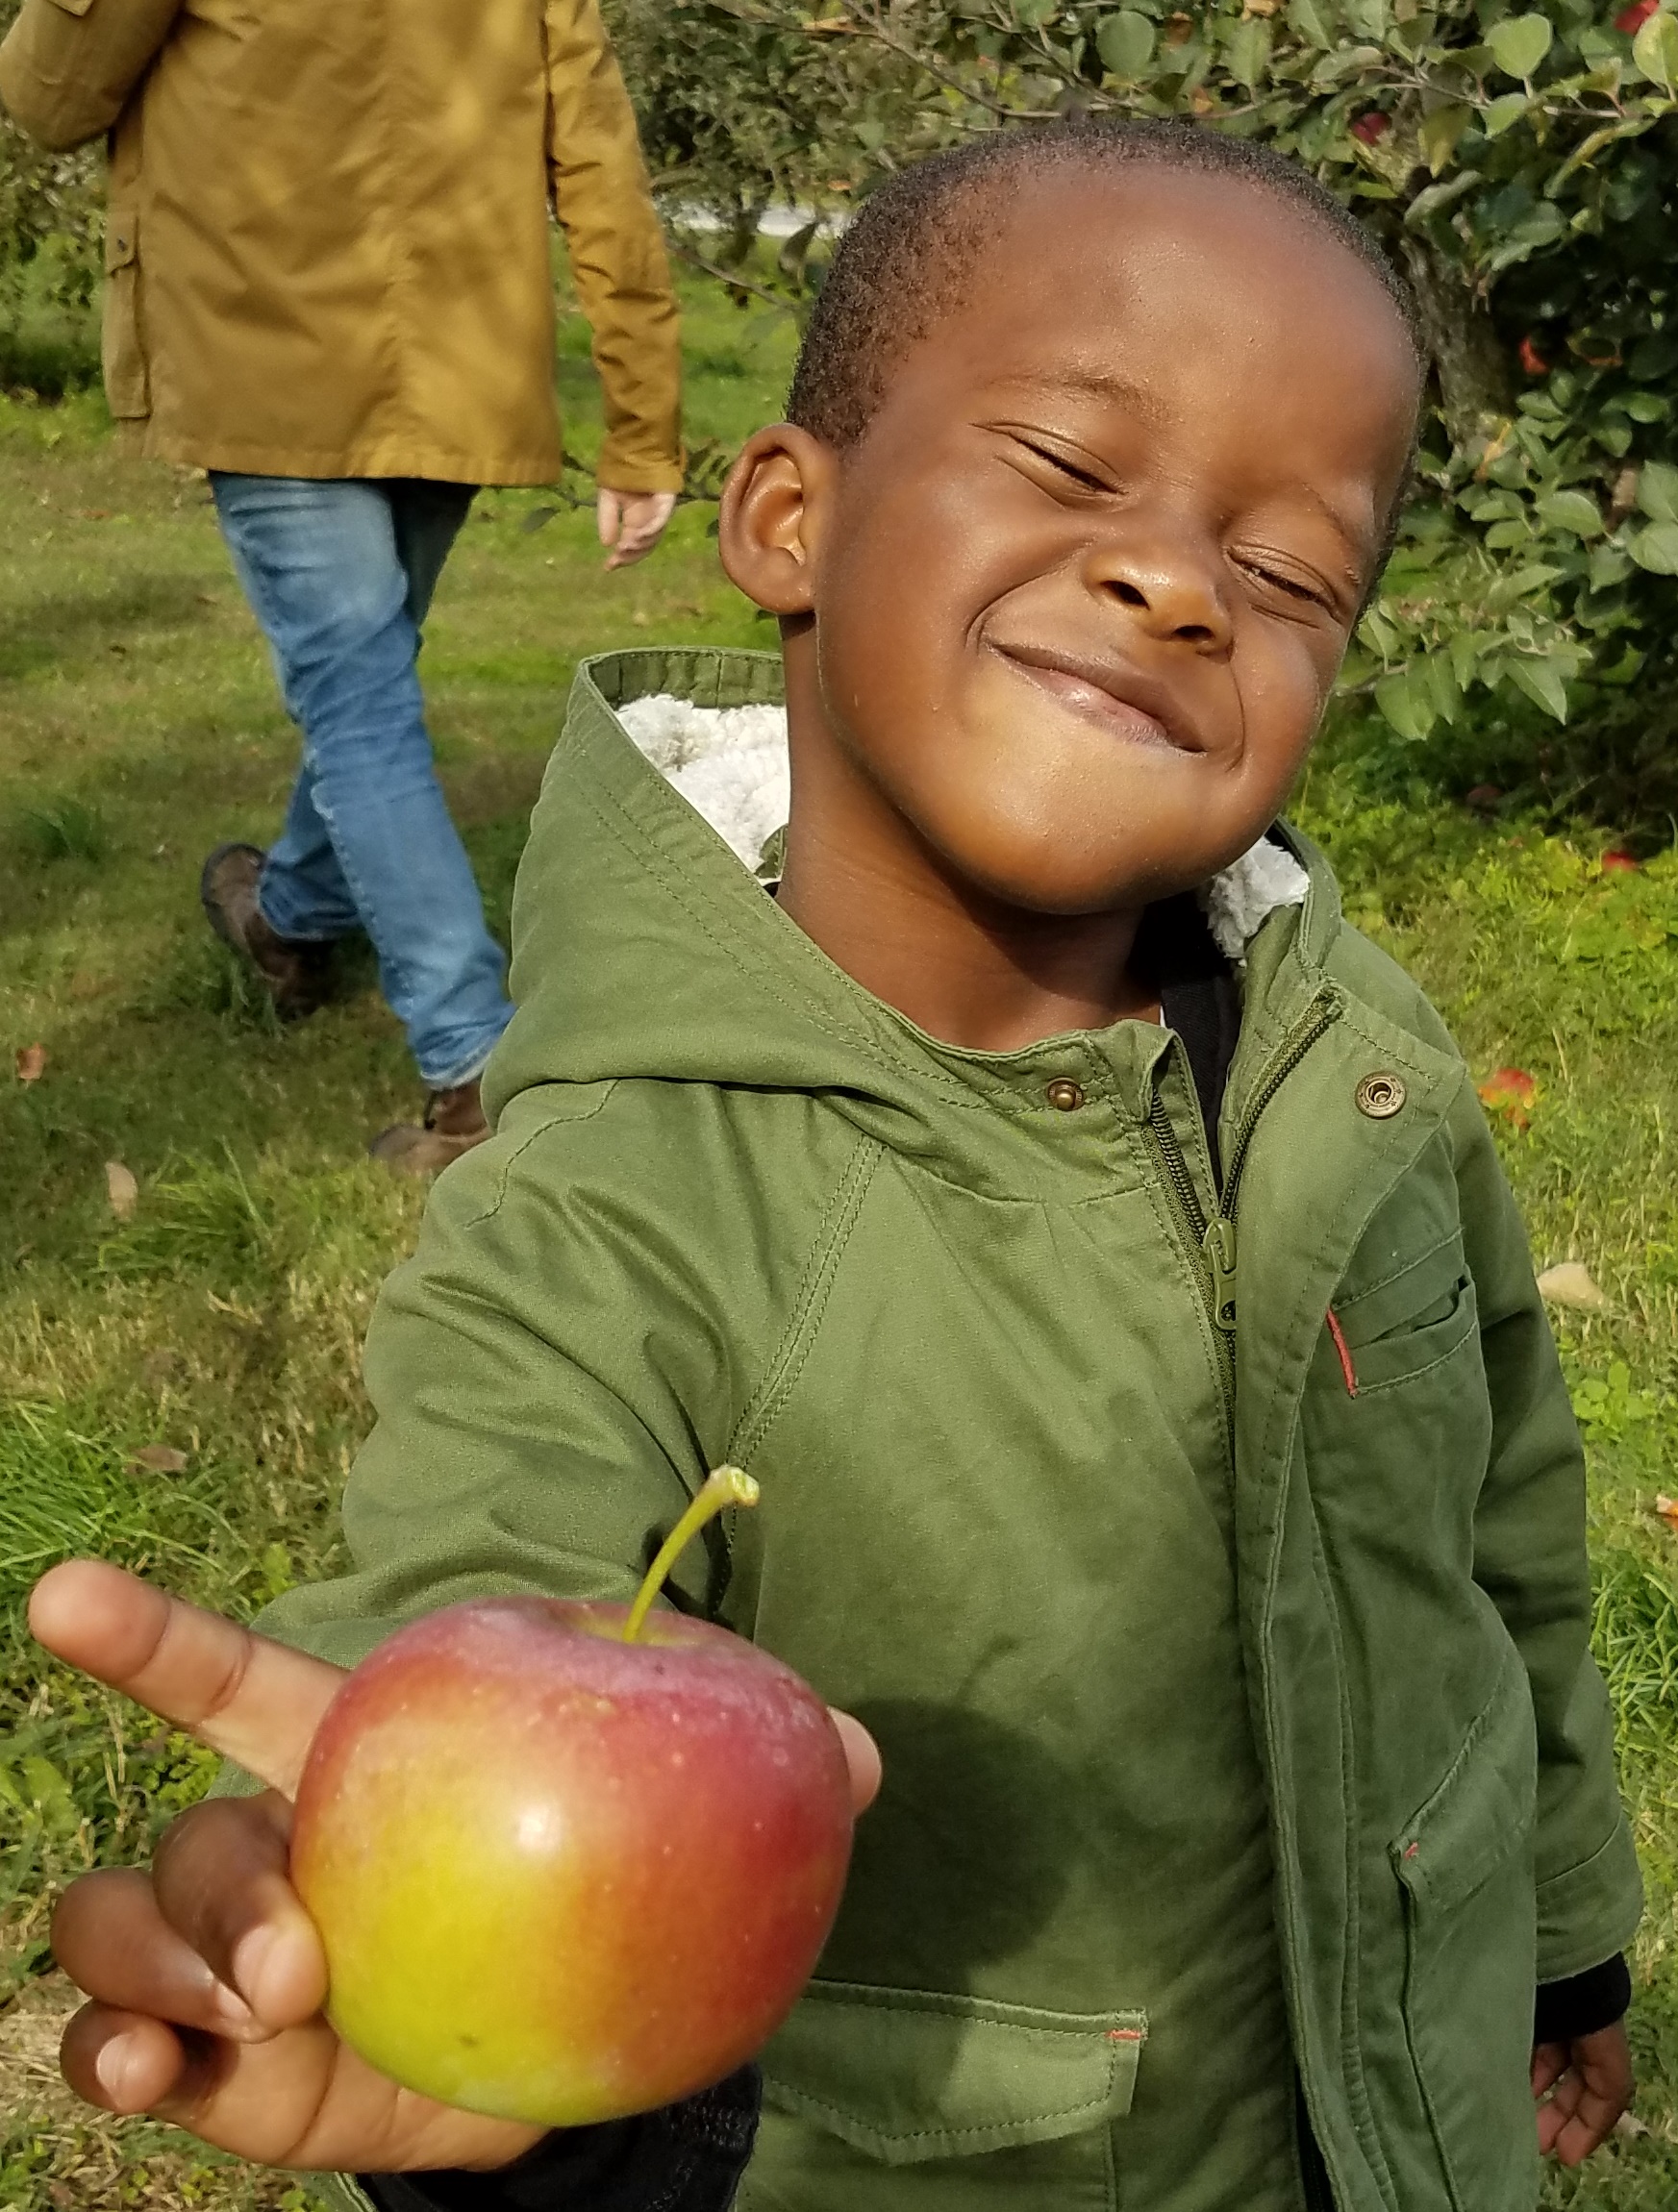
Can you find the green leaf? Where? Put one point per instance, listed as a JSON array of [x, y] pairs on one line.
[[1366, 17], [1657, 490], [1309, 25], [1503, 112], [1610, 564], [1573, 510], [1407, 704], [1656, 548], [1647, 407], [1125, 43], [1655, 50], [1465, 651], [1440, 132], [1248, 50], [1442, 681], [1519, 43], [1544, 684], [1434, 199], [50, 1794]]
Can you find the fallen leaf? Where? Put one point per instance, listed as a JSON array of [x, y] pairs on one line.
[[1668, 1510], [122, 1189], [31, 1063], [158, 1460], [1510, 1092], [1531, 359], [1569, 1283], [1619, 863], [1482, 798]]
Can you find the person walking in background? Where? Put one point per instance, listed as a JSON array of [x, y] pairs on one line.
[[329, 284]]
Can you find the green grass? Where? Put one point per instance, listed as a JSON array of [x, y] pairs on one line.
[[137, 728]]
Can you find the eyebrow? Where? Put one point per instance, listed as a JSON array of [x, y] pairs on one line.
[[1102, 383]]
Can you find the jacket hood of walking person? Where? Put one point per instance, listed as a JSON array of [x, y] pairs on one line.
[[968, 1583]]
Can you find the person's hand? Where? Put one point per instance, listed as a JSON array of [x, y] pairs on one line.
[[631, 523], [1589, 2083], [206, 1975]]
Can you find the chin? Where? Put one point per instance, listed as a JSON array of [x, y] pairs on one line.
[[1049, 863], [1064, 877]]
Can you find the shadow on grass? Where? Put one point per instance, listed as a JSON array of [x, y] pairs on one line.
[[43, 633]]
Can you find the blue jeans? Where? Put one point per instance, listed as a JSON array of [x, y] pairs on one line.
[[339, 574]]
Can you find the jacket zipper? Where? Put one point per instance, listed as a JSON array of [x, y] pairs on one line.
[[1213, 1242]]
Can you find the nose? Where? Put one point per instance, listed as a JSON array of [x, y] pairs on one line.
[[1172, 589]]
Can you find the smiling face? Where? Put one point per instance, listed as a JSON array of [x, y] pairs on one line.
[[1077, 595]]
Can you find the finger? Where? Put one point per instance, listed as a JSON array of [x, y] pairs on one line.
[[1587, 2126], [114, 1943], [254, 1702], [861, 1756], [1549, 2064], [608, 516], [222, 1886], [121, 2061]]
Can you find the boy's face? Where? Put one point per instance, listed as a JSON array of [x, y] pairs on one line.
[[1078, 594]]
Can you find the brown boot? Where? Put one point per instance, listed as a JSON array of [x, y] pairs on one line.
[[297, 974], [454, 1123]]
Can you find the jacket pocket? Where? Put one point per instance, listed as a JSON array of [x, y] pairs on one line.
[[127, 380], [906, 2075], [1411, 1319], [1465, 1866]]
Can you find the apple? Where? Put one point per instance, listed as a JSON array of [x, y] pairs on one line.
[[569, 1861]]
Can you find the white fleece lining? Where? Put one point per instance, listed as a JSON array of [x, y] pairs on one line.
[[730, 764]]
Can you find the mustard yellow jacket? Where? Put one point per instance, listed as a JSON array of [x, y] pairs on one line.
[[328, 244]]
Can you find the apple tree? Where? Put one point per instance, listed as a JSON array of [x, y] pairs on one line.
[[1520, 160]]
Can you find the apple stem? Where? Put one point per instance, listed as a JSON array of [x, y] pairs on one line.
[[724, 1486]]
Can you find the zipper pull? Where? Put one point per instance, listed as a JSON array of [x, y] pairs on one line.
[[1220, 1247]]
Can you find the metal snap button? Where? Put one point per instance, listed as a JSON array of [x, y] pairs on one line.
[[1064, 1095], [1381, 1095]]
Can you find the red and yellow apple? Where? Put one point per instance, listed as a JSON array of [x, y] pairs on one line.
[[560, 1876]]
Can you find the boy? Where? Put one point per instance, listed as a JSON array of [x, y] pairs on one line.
[[1162, 1450]]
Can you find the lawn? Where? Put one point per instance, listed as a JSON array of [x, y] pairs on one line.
[[217, 1329]]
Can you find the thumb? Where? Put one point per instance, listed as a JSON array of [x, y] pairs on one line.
[[861, 1756]]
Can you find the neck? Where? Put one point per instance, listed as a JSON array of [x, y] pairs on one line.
[[968, 968]]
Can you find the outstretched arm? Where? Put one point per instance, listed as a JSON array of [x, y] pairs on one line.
[[66, 77]]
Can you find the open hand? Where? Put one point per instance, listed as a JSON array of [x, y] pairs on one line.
[[206, 1976], [631, 523], [1589, 2083]]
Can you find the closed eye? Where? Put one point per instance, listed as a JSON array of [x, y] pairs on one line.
[[1057, 462], [1308, 594]]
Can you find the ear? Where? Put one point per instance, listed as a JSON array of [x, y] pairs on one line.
[[773, 508]]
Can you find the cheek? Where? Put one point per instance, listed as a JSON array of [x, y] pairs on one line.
[[1283, 675], [895, 607]]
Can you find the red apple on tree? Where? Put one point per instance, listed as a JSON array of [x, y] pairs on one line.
[[571, 1861]]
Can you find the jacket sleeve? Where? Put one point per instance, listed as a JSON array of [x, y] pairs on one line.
[[617, 249], [67, 67], [537, 1427], [1531, 1560]]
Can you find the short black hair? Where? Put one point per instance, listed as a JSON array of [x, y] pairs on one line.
[[909, 253]]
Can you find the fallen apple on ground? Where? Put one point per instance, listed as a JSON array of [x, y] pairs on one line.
[[570, 1861]]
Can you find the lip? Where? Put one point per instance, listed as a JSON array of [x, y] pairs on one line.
[[1107, 692]]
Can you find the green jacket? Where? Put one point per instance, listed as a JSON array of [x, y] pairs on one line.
[[1231, 1671]]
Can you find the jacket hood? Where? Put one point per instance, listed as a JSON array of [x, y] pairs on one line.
[[644, 947]]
